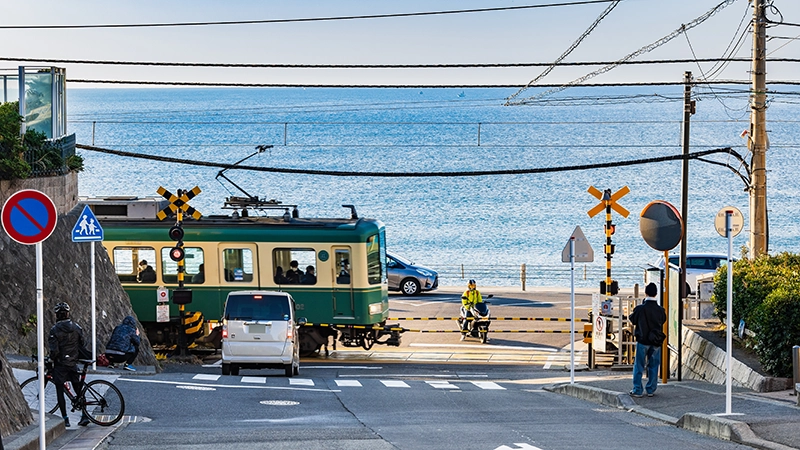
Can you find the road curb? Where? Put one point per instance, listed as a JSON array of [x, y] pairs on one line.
[[709, 425], [28, 437]]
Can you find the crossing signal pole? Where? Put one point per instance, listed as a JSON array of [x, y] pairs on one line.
[[608, 202], [759, 232], [179, 205]]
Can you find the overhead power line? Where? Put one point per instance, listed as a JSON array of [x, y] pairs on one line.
[[384, 66], [307, 19], [474, 173], [401, 86], [647, 48]]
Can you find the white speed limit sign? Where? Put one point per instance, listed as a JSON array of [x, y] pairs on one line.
[[737, 221]]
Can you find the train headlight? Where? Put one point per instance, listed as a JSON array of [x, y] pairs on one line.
[[375, 308]]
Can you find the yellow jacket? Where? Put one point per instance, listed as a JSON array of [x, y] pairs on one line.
[[472, 298]]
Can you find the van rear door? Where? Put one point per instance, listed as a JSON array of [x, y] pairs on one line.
[[257, 324]]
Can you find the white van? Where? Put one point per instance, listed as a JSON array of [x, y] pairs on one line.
[[259, 330]]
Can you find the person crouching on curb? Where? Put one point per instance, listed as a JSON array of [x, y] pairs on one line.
[[124, 343], [649, 318]]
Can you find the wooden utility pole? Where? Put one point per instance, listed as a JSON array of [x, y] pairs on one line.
[[688, 110], [759, 232]]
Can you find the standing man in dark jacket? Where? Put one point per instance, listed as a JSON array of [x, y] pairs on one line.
[[124, 343], [649, 318], [66, 343]]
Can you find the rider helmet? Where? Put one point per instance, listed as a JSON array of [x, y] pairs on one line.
[[61, 307], [471, 285]]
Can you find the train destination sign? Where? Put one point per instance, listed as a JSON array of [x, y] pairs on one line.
[[29, 217]]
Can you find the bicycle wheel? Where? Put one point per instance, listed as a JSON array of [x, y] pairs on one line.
[[103, 403], [30, 389]]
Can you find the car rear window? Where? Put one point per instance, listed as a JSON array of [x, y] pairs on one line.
[[257, 307]]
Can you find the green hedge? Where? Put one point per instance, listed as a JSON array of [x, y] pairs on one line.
[[766, 294]]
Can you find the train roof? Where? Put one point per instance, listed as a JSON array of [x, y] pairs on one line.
[[134, 219]]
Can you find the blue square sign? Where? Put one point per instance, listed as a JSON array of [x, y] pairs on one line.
[[88, 228]]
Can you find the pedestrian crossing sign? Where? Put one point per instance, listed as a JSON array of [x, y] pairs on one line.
[[87, 228]]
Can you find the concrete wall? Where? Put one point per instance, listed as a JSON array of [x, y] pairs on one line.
[[63, 190]]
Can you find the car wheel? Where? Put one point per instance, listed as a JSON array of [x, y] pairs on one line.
[[409, 286], [226, 369]]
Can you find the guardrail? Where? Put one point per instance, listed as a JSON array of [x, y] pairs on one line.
[[587, 275]]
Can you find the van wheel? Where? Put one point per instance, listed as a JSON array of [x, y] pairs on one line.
[[226, 369], [234, 369], [297, 370], [288, 370]]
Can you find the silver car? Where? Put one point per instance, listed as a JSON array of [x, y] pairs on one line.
[[408, 278]]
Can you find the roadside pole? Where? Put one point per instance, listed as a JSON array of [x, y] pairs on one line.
[[87, 229], [729, 223], [577, 249]]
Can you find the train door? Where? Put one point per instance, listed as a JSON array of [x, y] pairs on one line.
[[343, 306], [238, 267]]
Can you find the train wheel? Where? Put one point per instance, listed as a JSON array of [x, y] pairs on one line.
[[368, 340]]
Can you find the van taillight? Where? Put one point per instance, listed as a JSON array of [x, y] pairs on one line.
[[224, 332], [289, 331]]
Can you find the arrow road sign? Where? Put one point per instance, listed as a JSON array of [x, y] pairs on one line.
[[29, 217], [87, 228]]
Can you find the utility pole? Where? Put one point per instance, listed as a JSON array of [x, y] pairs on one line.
[[759, 232], [688, 110]]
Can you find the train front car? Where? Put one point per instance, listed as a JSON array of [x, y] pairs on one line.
[[334, 268]]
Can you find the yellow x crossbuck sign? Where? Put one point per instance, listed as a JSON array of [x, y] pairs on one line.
[[176, 203], [612, 198]]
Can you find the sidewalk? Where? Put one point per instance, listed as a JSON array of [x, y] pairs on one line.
[[766, 421]]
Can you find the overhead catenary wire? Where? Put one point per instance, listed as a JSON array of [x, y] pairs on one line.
[[652, 46], [307, 19], [466, 173]]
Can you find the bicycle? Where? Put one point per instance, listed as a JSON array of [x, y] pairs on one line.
[[100, 400]]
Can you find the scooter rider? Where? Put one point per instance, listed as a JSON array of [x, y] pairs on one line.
[[469, 298]]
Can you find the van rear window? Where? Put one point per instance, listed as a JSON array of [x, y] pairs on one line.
[[257, 307]]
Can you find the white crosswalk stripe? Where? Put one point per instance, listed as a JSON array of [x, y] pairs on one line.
[[348, 383], [261, 380], [489, 385], [206, 377], [301, 382], [442, 385], [395, 383]]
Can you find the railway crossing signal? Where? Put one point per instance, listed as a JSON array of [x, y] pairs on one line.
[[178, 205], [608, 202]]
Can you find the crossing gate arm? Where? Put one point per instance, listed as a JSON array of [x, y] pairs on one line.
[[540, 319]]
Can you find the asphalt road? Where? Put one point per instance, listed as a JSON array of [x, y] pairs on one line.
[[369, 406]]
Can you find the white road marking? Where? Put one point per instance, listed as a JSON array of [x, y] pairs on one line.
[[442, 385], [400, 375], [301, 382], [489, 385], [519, 446], [206, 377], [259, 380], [395, 383], [352, 383], [232, 386], [344, 367]]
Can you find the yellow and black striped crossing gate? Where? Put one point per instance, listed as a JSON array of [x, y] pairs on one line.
[[412, 330]]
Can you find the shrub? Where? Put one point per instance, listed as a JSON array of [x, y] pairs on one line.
[[776, 323]]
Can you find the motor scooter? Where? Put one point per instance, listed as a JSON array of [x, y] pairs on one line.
[[477, 320]]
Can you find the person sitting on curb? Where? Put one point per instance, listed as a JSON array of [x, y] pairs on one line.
[[123, 346]]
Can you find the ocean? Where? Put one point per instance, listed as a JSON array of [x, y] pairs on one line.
[[483, 227]]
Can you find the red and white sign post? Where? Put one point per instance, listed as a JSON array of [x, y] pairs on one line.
[[29, 217]]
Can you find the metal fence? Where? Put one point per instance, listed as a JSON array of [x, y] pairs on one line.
[[529, 275], [52, 160]]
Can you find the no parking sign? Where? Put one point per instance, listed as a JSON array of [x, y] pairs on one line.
[[29, 217]]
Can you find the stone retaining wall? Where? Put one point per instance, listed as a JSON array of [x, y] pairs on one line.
[[702, 360], [63, 190]]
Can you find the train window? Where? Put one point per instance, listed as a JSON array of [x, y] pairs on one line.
[[127, 259], [342, 259], [238, 264], [375, 260], [193, 263], [306, 259]]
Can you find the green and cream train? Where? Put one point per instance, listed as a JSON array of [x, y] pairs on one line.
[[346, 297]]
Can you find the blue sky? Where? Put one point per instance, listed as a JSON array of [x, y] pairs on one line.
[[536, 35]]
